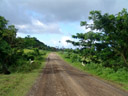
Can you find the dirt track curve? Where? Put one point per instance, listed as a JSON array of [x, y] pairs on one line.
[[60, 79]]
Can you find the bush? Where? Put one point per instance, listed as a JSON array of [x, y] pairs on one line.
[[26, 67], [74, 57], [66, 55], [121, 75], [22, 64]]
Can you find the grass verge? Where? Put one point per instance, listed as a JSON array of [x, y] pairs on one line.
[[119, 78], [18, 84]]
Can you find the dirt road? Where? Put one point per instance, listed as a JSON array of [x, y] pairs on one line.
[[60, 79]]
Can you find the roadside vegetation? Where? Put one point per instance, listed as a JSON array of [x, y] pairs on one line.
[[12, 55], [19, 83], [21, 60], [103, 50], [118, 78]]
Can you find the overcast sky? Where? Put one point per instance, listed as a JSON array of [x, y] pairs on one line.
[[52, 21]]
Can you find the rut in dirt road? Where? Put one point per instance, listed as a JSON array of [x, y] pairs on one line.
[[60, 79]]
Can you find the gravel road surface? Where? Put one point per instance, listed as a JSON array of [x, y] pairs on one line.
[[60, 79]]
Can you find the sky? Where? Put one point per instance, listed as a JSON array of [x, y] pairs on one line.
[[54, 21]]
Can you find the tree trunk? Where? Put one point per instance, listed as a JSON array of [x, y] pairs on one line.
[[124, 58], [4, 67], [5, 70]]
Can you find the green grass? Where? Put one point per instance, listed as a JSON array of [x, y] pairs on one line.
[[18, 84], [28, 50], [119, 78]]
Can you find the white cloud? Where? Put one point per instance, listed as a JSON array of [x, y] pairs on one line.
[[39, 27], [20, 11], [21, 26], [62, 42], [37, 23], [44, 16], [54, 42]]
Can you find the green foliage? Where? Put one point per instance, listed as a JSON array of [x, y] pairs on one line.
[[36, 51], [106, 43], [29, 61], [12, 56], [74, 57], [18, 84], [119, 76], [104, 49]]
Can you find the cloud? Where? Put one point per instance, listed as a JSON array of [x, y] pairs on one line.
[[69, 10], [20, 11], [61, 42], [53, 11], [14, 11], [38, 27], [45, 16]]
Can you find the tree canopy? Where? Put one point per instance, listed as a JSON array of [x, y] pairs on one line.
[[107, 40], [11, 46]]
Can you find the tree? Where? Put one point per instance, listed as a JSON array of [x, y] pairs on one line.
[[11, 47], [108, 39], [5, 48], [115, 29]]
